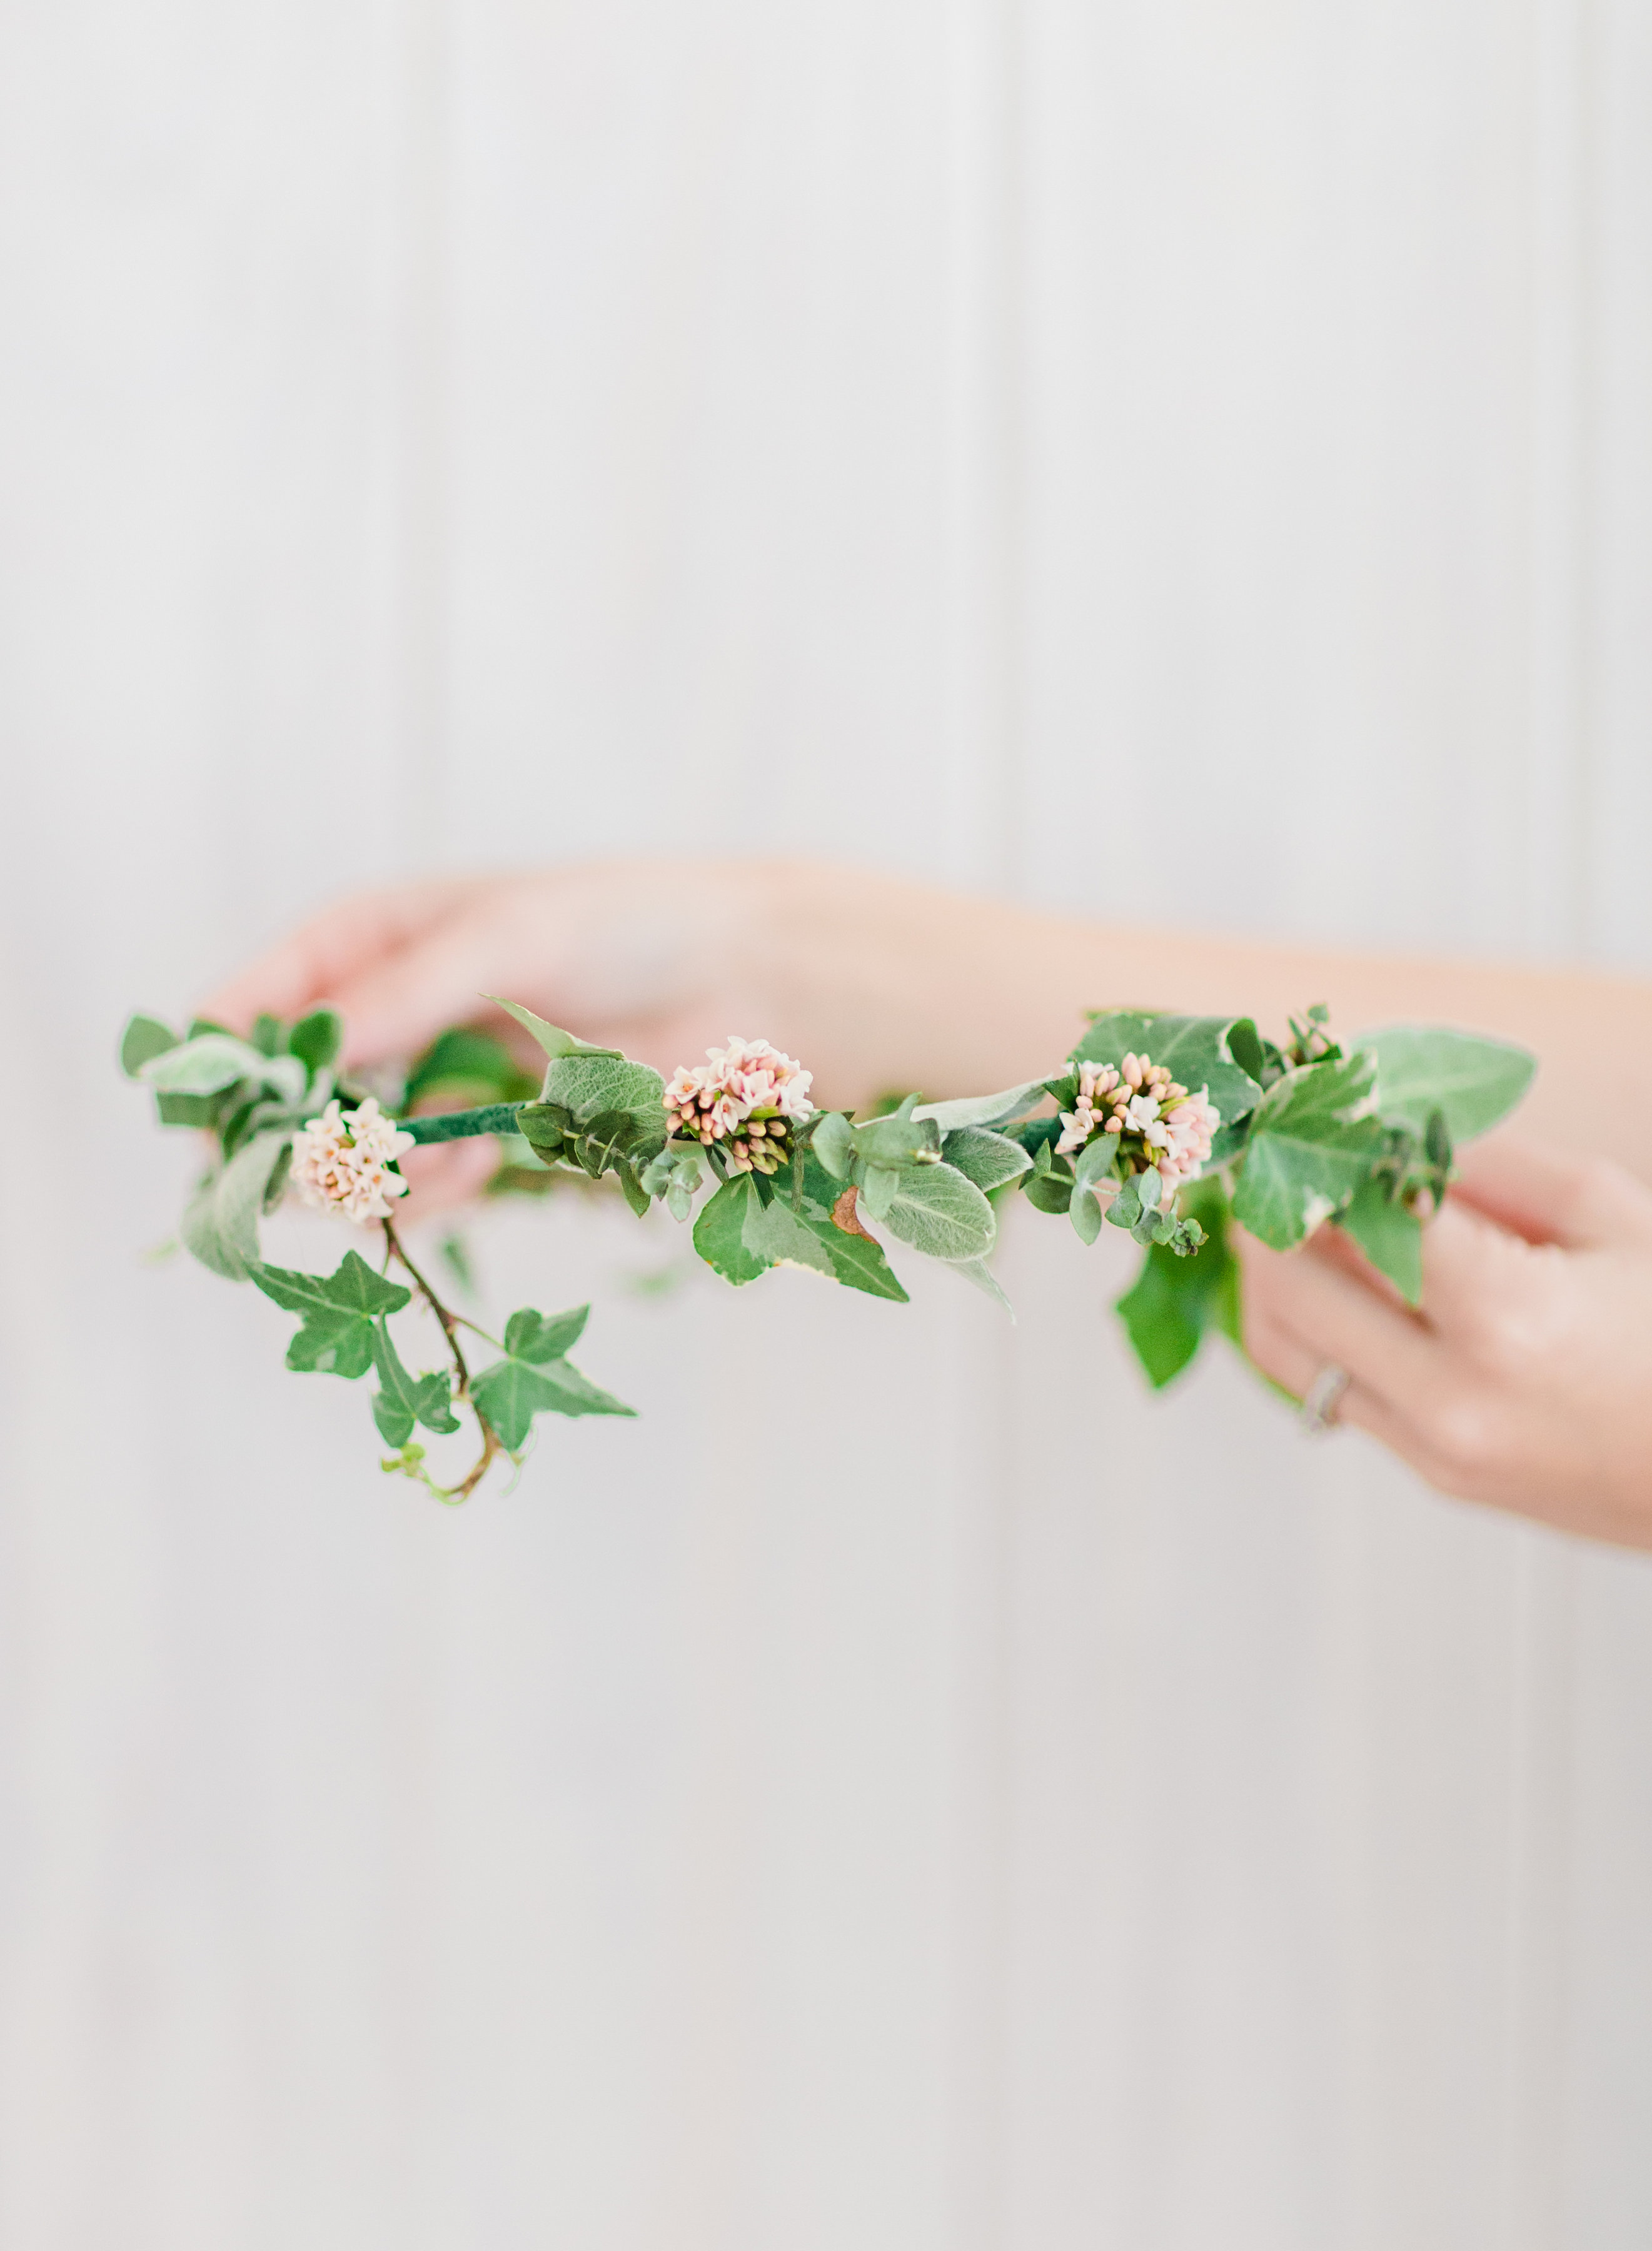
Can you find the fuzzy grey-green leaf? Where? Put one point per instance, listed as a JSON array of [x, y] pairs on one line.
[[941, 1213], [1474, 1080], [220, 1221], [986, 1157]]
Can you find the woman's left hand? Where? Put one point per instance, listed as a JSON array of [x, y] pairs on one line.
[[1526, 1379]]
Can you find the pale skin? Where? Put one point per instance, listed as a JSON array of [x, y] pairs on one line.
[[1526, 1382]]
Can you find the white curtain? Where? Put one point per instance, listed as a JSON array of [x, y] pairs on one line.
[[1172, 461]]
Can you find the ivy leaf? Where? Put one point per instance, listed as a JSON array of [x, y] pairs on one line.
[[1197, 1050], [986, 1157], [402, 1400], [1313, 1141], [1174, 1300], [465, 1068], [143, 1039], [719, 1232], [339, 1310], [220, 1220], [1389, 1234], [857, 1260], [778, 1235], [552, 1037], [1474, 1080], [985, 1110], [534, 1378], [941, 1213]]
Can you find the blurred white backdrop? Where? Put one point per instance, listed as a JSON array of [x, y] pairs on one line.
[[1133, 457]]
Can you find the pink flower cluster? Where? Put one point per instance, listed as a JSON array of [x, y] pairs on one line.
[[342, 1164], [746, 1095], [1158, 1120]]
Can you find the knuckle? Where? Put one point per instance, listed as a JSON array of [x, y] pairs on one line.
[[1468, 1437]]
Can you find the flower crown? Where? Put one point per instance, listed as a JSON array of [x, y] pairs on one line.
[[1167, 1126]]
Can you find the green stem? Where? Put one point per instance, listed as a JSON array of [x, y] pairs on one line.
[[491, 1448], [460, 1125]]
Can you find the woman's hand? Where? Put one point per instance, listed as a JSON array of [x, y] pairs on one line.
[[1526, 1380], [874, 984]]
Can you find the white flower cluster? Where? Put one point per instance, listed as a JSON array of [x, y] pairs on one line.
[[1170, 1129], [744, 1095], [342, 1164]]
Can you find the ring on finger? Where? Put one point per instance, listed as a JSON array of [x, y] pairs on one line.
[[1322, 1398]]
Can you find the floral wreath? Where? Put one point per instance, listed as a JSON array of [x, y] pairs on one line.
[[1167, 1126]]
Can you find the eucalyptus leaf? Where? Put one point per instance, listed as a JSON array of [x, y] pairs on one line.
[[1313, 1140], [899, 1139], [877, 1185], [1474, 1080], [833, 1142], [941, 1213]]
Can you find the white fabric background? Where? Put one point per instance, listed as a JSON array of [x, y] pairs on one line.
[[1186, 457]]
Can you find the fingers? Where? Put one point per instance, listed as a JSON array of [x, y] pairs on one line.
[[1536, 1192], [394, 1004], [325, 954], [1330, 1314], [446, 1175]]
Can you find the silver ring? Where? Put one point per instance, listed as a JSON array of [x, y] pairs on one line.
[[1322, 1398]]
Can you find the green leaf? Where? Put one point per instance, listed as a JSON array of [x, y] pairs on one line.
[[833, 1142], [1474, 1080], [1389, 1236], [539, 1337], [197, 1110], [941, 1213], [592, 1083], [979, 1274], [317, 1038], [877, 1185], [203, 1066], [339, 1310], [552, 1037], [986, 1157], [1051, 1192], [143, 1039], [1313, 1140], [402, 1400], [719, 1232], [1174, 1300], [1197, 1050], [535, 1379], [216, 1060], [899, 1139], [985, 1110], [857, 1262], [775, 1234], [266, 1035], [220, 1220]]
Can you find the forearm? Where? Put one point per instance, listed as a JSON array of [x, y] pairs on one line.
[[957, 994]]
